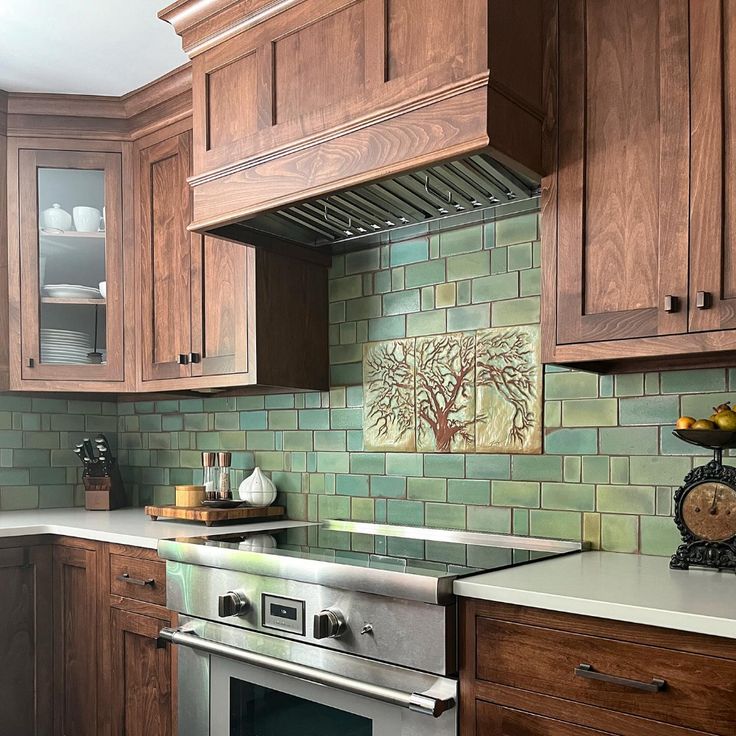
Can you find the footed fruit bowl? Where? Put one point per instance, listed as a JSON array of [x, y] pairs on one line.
[[712, 439]]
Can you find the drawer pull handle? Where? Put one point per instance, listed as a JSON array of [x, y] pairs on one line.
[[703, 300], [125, 578], [587, 671]]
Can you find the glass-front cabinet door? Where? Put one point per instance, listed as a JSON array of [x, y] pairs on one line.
[[71, 266]]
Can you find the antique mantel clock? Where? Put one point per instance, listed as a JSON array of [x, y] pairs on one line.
[[705, 506]]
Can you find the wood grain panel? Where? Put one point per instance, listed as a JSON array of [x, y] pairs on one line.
[[697, 688], [221, 318], [142, 675], [165, 257], [499, 721], [232, 111], [25, 641], [623, 179], [320, 64], [138, 569]]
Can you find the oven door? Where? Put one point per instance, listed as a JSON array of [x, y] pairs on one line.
[[242, 683]]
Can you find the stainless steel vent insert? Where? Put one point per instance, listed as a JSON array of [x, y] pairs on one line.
[[469, 184]]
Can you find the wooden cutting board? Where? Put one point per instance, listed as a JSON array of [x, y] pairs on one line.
[[211, 516]]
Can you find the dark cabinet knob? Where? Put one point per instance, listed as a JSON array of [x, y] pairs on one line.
[[183, 359], [195, 357], [671, 303], [704, 300]]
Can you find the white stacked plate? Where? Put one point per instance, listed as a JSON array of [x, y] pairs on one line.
[[65, 346], [72, 291]]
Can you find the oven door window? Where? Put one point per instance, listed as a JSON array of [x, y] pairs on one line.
[[250, 701]]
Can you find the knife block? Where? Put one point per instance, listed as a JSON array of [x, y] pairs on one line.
[[104, 493]]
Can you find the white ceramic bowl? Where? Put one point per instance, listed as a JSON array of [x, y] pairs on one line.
[[103, 289], [86, 219]]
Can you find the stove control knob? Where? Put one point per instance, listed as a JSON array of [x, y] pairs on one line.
[[233, 603], [329, 624]]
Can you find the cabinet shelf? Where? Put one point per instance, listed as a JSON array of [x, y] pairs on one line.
[[71, 300], [51, 233]]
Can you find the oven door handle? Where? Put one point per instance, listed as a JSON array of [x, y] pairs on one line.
[[417, 702]]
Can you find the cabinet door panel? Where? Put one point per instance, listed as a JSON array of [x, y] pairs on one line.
[[25, 641], [141, 677], [495, 720], [75, 642], [713, 157], [165, 248], [623, 174], [223, 293]]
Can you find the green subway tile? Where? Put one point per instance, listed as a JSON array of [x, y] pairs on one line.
[[628, 499], [521, 311], [172, 422], [197, 405], [568, 496], [515, 493], [404, 463], [361, 509], [492, 288], [650, 410], [388, 486], [426, 489], [31, 422], [468, 266], [444, 515], [552, 414], [351, 485], [364, 308], [355, 440], [333, 462], [349, 287], [476, 492], [346, 418], [589, 412], [663, 500], [46, 476], [330, 440], [651, 383], [571, 469], [387, 328], [461, 240], [520, 256], [520, 521], [14, 476], [253, 420], [630, 384], [699, 406], [595, 469], [571, 441], [367, 462], [474, 317], [314, 419], [517, 229], [336, 313], [300, 441], [150, 423], [232, 440], [426, 323], [425, 274], [337, 397], [408, 513], [401, 302], [693, 381], [337, 267], [499, 261], [409, 251], [16, 403], [488, 466], [619, 533], [267, 460], [427, 298], [489, 519], [398, 281], [226, 420], [556, 524], [279, 401], [530, 282], [287, 482], [13, 498], [195, 422], [659, 470], [671, 445], [464, 292], [382, 282], [282, 419], [628, 441], [444, 466], [255, 440], [334, 507], [346, 375], [55, 406], [359, 261], [345, 353], [536, 467], [605, 389], [31, 459], [570, 385], [41, 440], [659, 536]]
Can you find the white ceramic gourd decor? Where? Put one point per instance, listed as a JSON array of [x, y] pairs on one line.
[[55, 218], [257, 490]]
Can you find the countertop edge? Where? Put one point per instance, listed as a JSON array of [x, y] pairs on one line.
[[96, 535]]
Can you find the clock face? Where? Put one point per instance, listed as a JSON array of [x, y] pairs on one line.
[[709, 511]]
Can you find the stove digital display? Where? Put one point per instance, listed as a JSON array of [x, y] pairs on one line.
[[282, 614], [283, 611]]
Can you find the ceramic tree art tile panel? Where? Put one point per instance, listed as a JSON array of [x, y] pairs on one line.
[[509, 390], [445, 393], [389, 414]]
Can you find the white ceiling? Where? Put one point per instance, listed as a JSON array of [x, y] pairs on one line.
[[97, 47]]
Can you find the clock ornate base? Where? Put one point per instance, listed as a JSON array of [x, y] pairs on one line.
[[705, 514]]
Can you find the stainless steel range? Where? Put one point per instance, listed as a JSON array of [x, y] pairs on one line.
[[332, 629]]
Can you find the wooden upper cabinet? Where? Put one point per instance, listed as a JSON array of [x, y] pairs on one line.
[[623, 168]]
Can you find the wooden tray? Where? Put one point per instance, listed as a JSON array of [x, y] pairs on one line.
[[215, 516]]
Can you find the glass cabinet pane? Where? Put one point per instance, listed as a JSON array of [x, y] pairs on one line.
[[71, 266]]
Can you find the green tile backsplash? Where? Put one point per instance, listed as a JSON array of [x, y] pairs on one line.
[[609, 467]]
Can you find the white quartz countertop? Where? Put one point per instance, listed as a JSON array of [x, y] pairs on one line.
[[122, 526], [624, 587]]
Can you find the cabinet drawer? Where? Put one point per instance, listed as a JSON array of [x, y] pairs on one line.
[[495, 720], [133, 577], [698, 689]]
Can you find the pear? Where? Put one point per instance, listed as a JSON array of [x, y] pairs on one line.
[[726, 420]]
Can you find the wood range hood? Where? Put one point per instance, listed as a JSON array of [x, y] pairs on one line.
[[320, 121]]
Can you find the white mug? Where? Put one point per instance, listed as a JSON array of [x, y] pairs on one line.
[[86, 219]]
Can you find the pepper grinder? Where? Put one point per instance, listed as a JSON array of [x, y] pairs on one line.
[[224, 489], [209, 479]]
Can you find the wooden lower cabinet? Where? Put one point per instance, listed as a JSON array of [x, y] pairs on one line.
[[532, 672], [25, 640]]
